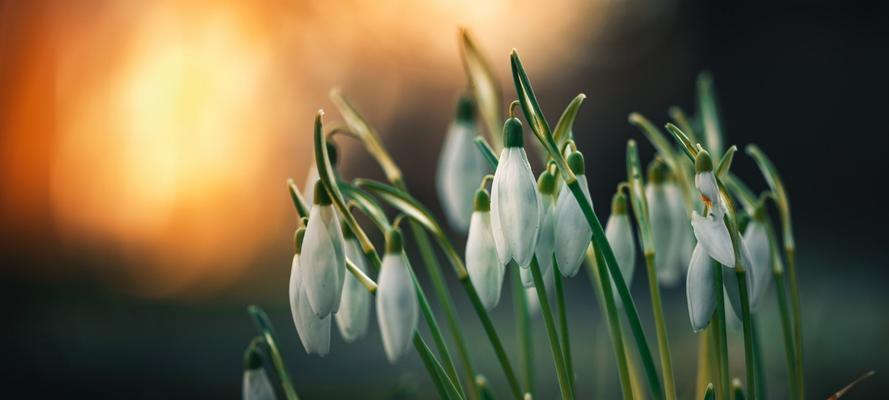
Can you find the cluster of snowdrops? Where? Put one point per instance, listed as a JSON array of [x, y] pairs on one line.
[[693, 219]]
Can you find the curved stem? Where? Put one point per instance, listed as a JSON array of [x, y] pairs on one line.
[[563, 326], [555, 348]]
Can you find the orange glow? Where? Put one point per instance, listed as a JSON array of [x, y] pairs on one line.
[[153, 139]]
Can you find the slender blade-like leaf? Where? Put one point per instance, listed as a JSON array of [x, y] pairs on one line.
[[709, 112], [485, 87], [360, 127], [725, 163], [566, 122], [487, 152], [402, 201], [684, 143]]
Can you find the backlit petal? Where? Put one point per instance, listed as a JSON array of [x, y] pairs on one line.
[[460, 169], [699, 289], [572, 232], [713, 235], [354, 312], [323, 261], [397, 306], [485, 270]]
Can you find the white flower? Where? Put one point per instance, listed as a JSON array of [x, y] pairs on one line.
[[665, 228], [619, 233], [757, 241], [572, 232], [546, 186], [354, 312], [460, 167], [515, 204], [323, 259], [314, 332], [256, 384], [705, 181], [397, 306], [700, 289], [713, 235], [485, 270]]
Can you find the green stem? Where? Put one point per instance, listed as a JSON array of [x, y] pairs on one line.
[[601, 245], [720, 335], [444, 386], [563, 323], [789, 252], [551, 333], [264, 325], [748, 331], [787, 332], [606, 299], [523, 329], [760, 363], [661, 328]]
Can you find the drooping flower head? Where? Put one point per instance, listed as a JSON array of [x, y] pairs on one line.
[[397, 306], [354, 312], [324, 261], [485, 270], [710, 230], [255, 384], [460, 166], [760, 253], [668, 222], [515, 204], [572, 232], [619, 233], [313, 332], [546, 186]]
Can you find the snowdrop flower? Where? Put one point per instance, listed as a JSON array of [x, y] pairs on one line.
[[619, 233], [699, 289], [397, 307], [666, 229], [314, 332], [760, 253], [460, 166], [354, 312], [515, 204], [256, 384], [485, 270], [572, 232], [546, 186], [711, 231], [323, 261]]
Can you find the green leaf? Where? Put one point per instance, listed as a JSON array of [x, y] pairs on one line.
[[403, 202], [657, 139], [530, 106], [298, 201], [487, 152], [709, 112], [684, 143], [770, 173], [367, 204], [637, 196], [485, 87], [365, 132], [562, 133], [725, 163], [681, 119]]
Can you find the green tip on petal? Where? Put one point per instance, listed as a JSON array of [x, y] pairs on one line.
[[576, 163], [546, 183], [703, 162], [394, 241], [482, 201], [619, 204], [298, 237], [322, 198], [658, 172], [466, 109], [513, 135], [252, 358]]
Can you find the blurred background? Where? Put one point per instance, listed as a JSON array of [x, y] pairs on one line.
[[144, 148]]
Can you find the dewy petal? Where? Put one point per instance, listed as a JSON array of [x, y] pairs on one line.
[[664, 234], [485, 270], [757, 241], [397, 307], [515, 208], [256, 385], [460, 169], [699, 289], [323, 261], [572, 232], [619, 233], [713, 235], [354, 312], [295, 294]]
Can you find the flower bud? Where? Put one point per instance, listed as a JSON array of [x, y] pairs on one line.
[[485, 270], [397, 306], [757, 242], [354, 313], [515, 203], [460, 166], [546, 239], [666, 230], [699, 289], [323, 258], [255, 384], [572, 232], [314, 332], [619, 232]]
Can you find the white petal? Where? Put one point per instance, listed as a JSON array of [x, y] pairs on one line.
[[699, 289], [309, 187], [295, 294], [485, 270], [257, 386], [572, 232], [706, 183], [397, 307], [664, 234], [546, 239], [714, 236], [757, 241], [527, 277], [733, 292], [317, 330], [515, 208], [323, 261], [461, 168], [354, 312], [619, 233]]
